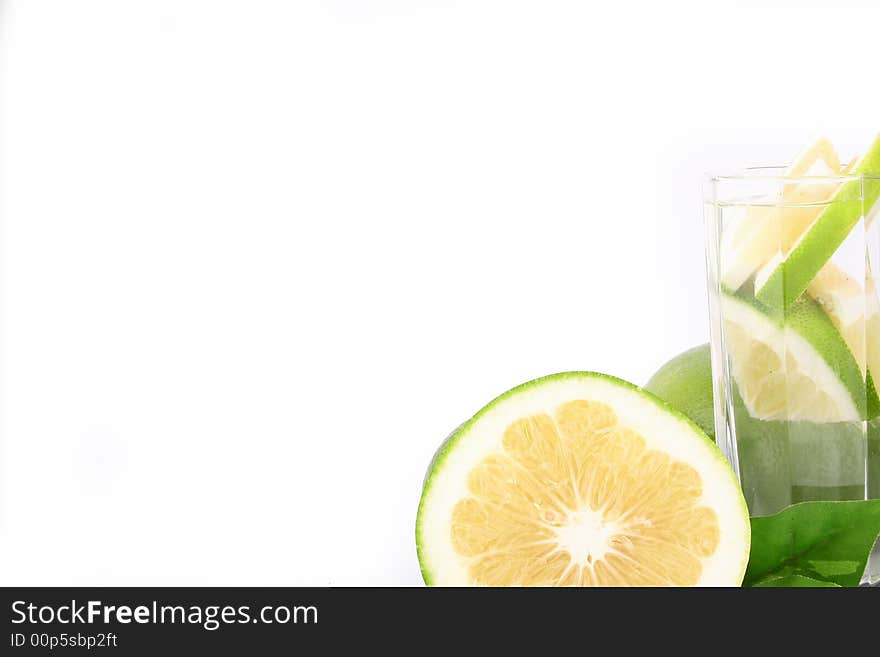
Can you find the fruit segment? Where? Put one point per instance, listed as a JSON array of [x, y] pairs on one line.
[[579, 499]]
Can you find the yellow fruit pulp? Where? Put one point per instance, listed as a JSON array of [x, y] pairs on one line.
[[850, 307], [580, 500]]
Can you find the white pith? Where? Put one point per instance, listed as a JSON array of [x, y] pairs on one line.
[[586, 536]]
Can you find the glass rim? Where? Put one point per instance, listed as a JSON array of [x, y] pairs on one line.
[[765, 173]]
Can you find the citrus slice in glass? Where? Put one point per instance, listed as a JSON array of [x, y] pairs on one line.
[[786, 275], [800, 370], [768, 225]]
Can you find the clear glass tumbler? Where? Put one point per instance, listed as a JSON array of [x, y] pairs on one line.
[[793, 268]]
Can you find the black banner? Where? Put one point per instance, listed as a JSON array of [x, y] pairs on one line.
[[151, 621]]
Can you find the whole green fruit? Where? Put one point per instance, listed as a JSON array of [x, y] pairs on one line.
[[685, 383]]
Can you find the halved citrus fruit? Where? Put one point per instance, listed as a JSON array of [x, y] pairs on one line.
[[581, 479]]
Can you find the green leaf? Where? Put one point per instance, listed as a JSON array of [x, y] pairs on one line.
[[789, 581], [825, 541]]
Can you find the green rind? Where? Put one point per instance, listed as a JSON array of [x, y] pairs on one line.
[[694, 397], [449, 444], [807, 318], [873, 398], [812, 323], [792, 277]]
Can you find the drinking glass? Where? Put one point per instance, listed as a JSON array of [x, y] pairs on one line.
[[793, 268]]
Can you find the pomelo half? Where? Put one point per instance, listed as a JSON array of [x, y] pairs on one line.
[[581, 479]]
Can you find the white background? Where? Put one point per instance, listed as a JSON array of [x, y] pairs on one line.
[[258, 258]]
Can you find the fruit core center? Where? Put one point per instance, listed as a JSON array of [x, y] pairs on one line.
[[578, 499], [586, 536]]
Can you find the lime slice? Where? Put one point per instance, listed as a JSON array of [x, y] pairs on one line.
[[800, 370], [787, 276], [580, 479], [764, 227]]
